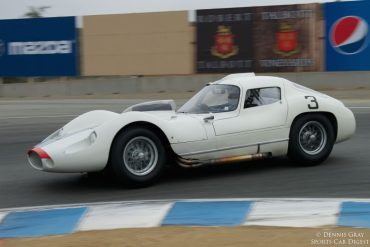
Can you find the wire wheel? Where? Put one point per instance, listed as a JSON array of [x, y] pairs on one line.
[[312, 137], [140, 156]]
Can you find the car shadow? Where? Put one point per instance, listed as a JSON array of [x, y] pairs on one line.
[[174, 173], [228, 169], [177, 175]]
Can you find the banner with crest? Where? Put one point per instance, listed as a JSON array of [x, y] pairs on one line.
[[288, 38], [224, 40], [285, 38]]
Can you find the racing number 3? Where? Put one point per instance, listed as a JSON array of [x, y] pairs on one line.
[[314, 104]]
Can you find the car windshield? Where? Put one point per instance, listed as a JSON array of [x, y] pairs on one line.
[[213, 99]]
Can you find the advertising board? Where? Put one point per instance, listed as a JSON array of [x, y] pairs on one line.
[[38, 47]]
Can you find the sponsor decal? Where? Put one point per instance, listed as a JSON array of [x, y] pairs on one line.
[[283, 15], [40, 47], [349, 35], [297, 62], [2, 47], [232, 64], [224, 17], [224, 46], [286, 41]]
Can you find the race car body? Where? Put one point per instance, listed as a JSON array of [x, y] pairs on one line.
[[240, 117]]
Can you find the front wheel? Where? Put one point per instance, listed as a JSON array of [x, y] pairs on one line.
[[311, 139], [138, 157]]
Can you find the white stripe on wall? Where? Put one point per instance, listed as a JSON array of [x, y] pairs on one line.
[[114, 216], [294, 213], [2, 216]]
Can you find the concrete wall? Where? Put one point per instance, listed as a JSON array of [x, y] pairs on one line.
[[130, 85], [138, 44]]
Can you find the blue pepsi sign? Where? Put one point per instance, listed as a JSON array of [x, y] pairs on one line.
[[38, 47], [347, 35]]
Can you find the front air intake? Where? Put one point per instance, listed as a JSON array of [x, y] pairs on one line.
[[35, 160]]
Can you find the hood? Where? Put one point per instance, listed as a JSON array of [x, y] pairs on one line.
[[169, 121], [88, 120], [158, 105]]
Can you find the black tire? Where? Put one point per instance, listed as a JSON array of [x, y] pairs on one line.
[[123, 143], [300, 150]]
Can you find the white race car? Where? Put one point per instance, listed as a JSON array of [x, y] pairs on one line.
[[240, 117]]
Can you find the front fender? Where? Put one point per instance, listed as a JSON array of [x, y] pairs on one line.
[[178, 128], [88, 150]]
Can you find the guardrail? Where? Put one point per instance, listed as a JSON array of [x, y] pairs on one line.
[[132, 85]]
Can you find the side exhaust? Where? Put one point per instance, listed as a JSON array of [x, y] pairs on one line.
[[191, 163]]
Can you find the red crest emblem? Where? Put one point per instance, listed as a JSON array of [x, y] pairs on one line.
[[286, 41], [224, 46]]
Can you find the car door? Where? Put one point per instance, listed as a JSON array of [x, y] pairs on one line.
[[261, 119], [215, 102]]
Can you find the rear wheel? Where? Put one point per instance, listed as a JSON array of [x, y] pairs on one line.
[[311, 139], [138, 157]]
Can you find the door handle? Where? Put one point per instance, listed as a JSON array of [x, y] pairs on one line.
[[208, 119]]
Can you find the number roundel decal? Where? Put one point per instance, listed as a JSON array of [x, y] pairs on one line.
[[313, 102]]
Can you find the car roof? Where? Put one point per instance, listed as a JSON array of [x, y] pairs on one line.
[[250, 80]]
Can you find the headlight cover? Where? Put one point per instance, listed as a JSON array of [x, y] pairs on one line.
[[54, 136], [60, 134]]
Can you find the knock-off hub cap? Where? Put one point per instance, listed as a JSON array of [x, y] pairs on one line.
[[312, 137], [140, 156]]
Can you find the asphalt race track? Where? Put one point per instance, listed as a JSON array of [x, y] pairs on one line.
[[346, 174]]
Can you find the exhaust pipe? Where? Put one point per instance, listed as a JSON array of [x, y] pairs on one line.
[[191, 163]]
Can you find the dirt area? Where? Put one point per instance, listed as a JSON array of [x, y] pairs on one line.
[[204, 236]]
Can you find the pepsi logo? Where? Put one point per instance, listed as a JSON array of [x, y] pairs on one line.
[[349, 35]]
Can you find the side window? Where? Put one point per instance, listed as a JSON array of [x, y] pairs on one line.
[[262, 96]]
